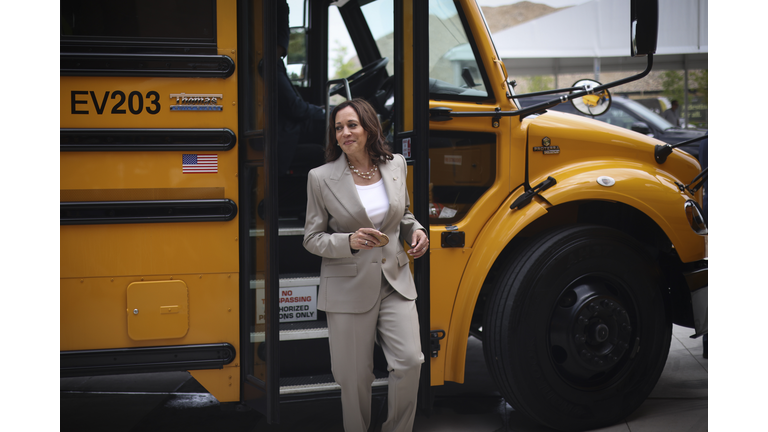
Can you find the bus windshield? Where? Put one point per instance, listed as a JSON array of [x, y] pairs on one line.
[[383, 30], [453, 67]]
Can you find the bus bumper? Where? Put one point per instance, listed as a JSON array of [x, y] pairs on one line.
[[698, 283]]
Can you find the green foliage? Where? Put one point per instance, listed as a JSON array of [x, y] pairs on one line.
[[672, 85], [541, 83], [297, 49], [673, 88], [343, 68], [700, 79]]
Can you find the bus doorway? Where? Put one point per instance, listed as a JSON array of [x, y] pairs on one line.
[[286, 355]]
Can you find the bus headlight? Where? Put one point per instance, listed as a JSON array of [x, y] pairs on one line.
[[695, 219]]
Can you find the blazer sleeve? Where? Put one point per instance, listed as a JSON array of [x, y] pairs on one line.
[[317, 238], [408, 224]]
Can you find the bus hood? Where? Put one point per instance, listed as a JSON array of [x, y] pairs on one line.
[[559, 141]]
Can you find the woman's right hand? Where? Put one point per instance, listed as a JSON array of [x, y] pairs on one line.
[[363, 239]]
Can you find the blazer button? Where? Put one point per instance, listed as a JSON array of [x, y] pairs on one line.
[[383, 260]]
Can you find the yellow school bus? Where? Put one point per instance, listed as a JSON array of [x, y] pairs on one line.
[[568, 246]]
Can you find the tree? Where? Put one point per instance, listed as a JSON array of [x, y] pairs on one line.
[[541, 83], [297, 47], [342, 68], [672, 86], [701, 80]]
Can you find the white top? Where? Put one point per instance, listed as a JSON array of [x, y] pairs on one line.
[[375, 201]]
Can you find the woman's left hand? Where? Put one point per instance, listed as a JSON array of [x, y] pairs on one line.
[[419, 244]]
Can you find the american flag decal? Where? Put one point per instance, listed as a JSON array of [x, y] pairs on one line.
[[199, 163]]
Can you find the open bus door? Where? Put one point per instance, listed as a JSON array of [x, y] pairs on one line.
[[412, 37], [285, 354], [258, 260]]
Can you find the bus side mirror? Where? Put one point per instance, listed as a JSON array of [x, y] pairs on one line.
[[592, 104], [644, 26], [297, 56]]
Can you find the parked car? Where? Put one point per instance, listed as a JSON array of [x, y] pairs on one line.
[[629, 114], [656, 104]]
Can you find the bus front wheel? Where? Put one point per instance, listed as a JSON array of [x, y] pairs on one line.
[[575, 333]]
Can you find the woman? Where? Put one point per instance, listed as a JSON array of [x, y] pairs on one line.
[[366, 287]]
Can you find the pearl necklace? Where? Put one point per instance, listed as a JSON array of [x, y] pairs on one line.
[[366, 175]]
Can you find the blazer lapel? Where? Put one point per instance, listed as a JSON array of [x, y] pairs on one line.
[[341, 184], [391, 175]]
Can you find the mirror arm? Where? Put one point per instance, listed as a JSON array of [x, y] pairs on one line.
[[583, 92], [547, 92], [641, 75], [443, 114], [662, 151], [533, 109], [599, 88], [701, 178]]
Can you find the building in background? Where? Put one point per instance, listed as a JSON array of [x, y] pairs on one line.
[[547, 48]]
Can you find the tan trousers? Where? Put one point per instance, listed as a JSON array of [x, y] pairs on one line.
[[351, 338]]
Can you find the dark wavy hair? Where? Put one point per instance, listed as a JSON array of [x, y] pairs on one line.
[[377, 146]]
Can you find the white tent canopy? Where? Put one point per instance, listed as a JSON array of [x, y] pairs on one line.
[[594, 36]]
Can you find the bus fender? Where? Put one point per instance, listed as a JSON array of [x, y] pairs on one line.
[[652, 192]]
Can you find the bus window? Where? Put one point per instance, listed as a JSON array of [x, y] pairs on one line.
[[366, 61], [383, 33], [462, 168], [343, 60], [454, 72], [296, 61], [159, 24], [382, 29]]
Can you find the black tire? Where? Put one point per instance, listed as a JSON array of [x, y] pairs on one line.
[[576, 332]]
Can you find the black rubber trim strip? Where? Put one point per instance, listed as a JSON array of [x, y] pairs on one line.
[[146, 65], [127, 212], [146, 139], [145, 359]]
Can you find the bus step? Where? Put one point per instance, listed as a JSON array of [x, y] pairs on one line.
[[318, 383], [297, 331], [286, 228]]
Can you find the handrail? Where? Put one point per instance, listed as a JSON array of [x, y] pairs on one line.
[[345, 84]]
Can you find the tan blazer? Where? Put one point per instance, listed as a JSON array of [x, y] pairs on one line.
[[350, 283]]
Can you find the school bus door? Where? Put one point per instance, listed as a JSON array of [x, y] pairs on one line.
[[412, 140], [260, 370], [261, 256]]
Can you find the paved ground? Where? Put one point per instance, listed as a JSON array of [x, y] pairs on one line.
[[175, 401]]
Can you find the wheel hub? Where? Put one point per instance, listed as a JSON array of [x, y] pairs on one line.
[[599, 332], [590, 333]]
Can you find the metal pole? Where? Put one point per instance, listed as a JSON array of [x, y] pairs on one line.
[[596, 66]]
